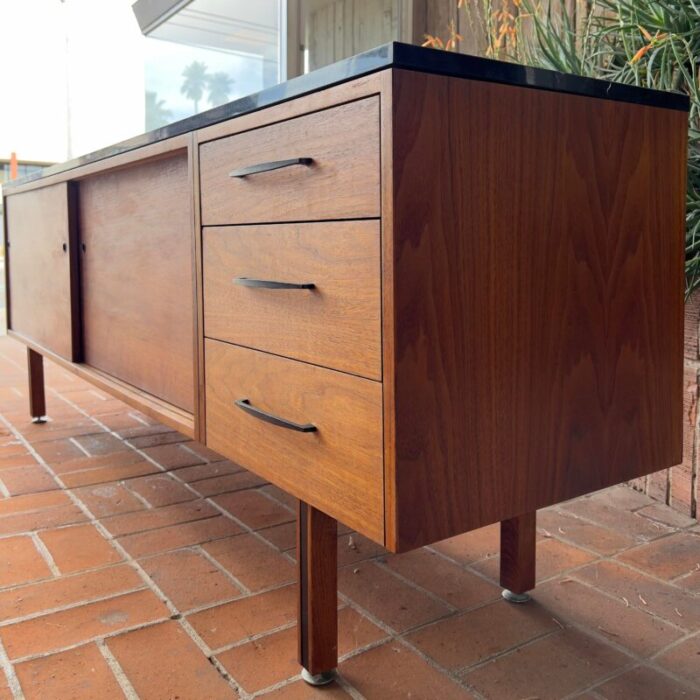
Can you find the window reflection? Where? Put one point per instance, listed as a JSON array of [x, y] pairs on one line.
[[208, 53]]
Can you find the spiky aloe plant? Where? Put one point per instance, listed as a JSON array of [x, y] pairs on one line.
[[652, 44]]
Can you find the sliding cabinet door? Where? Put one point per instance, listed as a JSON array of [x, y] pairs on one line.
[[137, 277], [42, 277]]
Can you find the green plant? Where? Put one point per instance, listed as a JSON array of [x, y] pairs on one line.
[[498, 21], [651, 44]]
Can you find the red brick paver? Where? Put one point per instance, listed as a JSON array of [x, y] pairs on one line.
[[136, 563], [77, 673], [162, 661], [190, 579], [78, 548], [21, 561]]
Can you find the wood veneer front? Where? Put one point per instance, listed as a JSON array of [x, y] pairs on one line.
[[137, 277], [336, 324], [339, 468], [341, 183], [537, 310]]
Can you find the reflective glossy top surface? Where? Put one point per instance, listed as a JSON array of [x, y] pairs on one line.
[[393, 55]]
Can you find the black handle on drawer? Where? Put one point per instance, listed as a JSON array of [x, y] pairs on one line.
[[272, 165], [271, 284], [246, 406]]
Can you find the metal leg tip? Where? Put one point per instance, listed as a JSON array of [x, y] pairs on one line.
[[39, 419], [319, 678], [515, 597]]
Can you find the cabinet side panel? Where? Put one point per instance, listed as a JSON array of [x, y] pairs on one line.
[[538, 253], [39, 268], [137, 277]]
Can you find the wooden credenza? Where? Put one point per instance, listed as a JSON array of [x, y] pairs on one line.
[[421, 292]]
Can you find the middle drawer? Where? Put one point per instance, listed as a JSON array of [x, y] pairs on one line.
[[308, 291]]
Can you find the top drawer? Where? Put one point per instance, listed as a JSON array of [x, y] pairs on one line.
[[340, 182]]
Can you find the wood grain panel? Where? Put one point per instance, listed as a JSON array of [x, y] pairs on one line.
[[336, 324], [137, 277], [42, 280], [388, 325], [198, 290], [538, 299], [341, 183], [337, 469]]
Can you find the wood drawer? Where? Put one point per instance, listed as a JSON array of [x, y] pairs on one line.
[[338, 468], [342, 182], [336, 324]]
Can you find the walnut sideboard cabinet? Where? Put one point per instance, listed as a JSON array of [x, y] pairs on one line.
[[419, 291]]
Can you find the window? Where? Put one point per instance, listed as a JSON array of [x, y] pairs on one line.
[[208, 53]]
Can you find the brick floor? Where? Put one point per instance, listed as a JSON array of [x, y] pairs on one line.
[[136, 563]]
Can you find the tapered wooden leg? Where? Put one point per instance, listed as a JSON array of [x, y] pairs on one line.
[[317, 560], [518, 557], [37, 396]]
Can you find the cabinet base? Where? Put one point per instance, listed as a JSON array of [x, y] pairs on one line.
[[317, 561], [515, 597], [319, 678], [37, 392]]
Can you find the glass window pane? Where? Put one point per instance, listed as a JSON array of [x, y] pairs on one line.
[[209, 53]]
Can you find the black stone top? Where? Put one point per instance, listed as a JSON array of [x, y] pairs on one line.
[[393, 55]]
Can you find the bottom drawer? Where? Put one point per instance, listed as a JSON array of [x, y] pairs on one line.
[[337, 467]]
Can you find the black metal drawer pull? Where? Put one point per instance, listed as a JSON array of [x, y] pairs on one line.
[[271, 284], [272, 165], [246, 406]]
